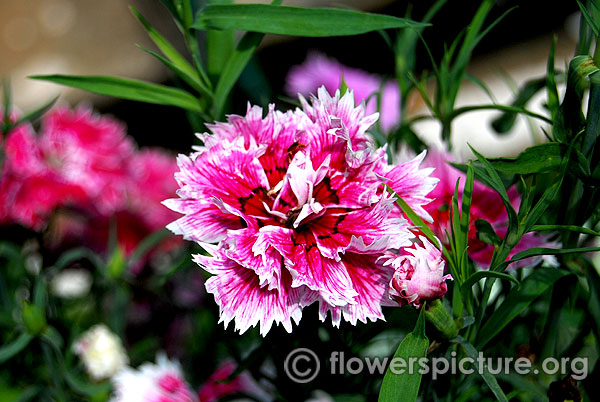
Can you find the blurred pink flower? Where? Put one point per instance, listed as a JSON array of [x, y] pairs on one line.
[[29, 190], [319, 70], [160, 382], [486, 204], [148, 179], [87, 150], [419, 274], [217, 386], [85, 162], [297, 205]]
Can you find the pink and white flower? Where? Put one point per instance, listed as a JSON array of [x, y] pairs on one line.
[[296, 204], [160, 382], [419, 274], [319, 70]]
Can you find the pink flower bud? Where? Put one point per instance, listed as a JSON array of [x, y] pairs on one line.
[[419, 275]]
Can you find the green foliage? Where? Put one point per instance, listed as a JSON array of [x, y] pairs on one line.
[[404, 387], [295, 21]]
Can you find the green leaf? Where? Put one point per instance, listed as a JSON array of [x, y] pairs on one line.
[[551, 88], [532, 252], [489, 379], [167, 48], [219, 47], [572, 228], [589, 19], [518, 300], [296, 21], [505, 122], [569, 119], [496, 183], [77, 254], [506, 108], [11, 349], [37, 113], [147, 244], [404, 387], [127, 89], [541, 158], [232, 70], [477, 276], [190, 80], [486, 233]]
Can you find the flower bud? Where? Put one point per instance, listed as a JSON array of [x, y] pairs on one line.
[[33, 318], [419, 275]]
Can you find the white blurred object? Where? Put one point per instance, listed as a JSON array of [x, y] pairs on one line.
[[101, 352], [319, 396], [71, 283]]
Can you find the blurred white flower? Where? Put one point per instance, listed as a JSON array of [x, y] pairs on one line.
[[162, 381], [71, 283], [101, 352]]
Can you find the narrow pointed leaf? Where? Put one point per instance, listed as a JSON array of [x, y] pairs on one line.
[[572, 228], [192, 81], [11, 349], [127, 89], [404, 387], [497, 185], [506, 121], [477, 276], [541, 158], [486, 233], [166, 47], [36, 114], [518, 300], [489, 379], [234, 67], [296, 21]]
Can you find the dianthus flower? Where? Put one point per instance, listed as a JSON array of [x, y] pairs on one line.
[[319, 70], [296, 203], [77, 159], [160, 382], [419, 274]]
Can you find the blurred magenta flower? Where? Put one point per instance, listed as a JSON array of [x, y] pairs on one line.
[[86, 163], [319, 70], [419, 274], [486, 204], [148, 179], [297, 205], [218, 386], [29, 189], [160, 382], [87, 150]]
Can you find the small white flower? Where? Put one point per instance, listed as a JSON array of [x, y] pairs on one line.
[[101, 351], [71, 283]]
